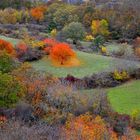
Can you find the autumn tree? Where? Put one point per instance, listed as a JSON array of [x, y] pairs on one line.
[[61, 53], [38, 13], [100, 27], [6, 46]]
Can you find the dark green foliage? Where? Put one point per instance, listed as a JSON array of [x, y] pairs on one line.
[[10, 90], [15, 3], [98, 42], [7, 63], [74, 31]]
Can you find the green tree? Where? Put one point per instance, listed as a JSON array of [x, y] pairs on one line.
[[74, 31], [61, 14]]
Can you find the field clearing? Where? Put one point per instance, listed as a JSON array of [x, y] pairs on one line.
[[90, 63], [125, 98]]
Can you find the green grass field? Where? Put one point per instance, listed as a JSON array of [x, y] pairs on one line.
[[91, 63], [125, 98]]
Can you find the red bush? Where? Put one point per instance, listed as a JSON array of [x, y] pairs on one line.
[[50, 42], [47, 50], [6, 46], [21, 49]]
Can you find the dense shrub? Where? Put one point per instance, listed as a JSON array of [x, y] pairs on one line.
[[15, 130], [59, 14], [74, 31], [85, 127], [65, 15], [35, 82], [101, 80], [100, 27], [98, 43], [101, 105], [50, 42], [7, 63], [136, 119], [121, 75], [25, 53], [21, 48], [119, 122], [10, 90], [124, 51], [89, 38]]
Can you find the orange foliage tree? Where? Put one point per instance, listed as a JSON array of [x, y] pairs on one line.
[[61, 53], [38, 12], [85, 127], [6, 46]]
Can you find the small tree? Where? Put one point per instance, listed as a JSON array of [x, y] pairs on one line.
[[6, 46], [61, 53], [38, 13], [100, 27], [74, 31]]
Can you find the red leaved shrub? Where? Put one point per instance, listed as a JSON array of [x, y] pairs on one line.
[[6, 46], [47, 50], [21, 48], [49, 44]]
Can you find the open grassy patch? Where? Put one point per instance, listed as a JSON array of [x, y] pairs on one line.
[[90, 63], [73, 62], [125, 98]]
